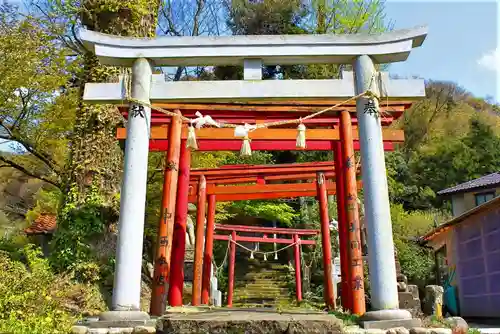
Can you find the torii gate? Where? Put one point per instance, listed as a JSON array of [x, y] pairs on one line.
[[224, 184], [360, 50], [295, 240]]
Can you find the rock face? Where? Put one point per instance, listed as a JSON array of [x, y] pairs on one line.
[[457, 322], [433, 296], [249, 322]]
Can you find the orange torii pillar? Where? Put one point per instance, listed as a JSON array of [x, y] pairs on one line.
[[166, 224], [230, 276], [209, 245], [342, 227], [200, 234], [176, 285], [325, 241], [352, 211], [298, 277]]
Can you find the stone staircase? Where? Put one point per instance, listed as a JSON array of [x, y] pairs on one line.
[[260, 283]]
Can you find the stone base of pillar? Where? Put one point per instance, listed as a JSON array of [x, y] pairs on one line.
[[124, 316], [117, 322], [385, 319]]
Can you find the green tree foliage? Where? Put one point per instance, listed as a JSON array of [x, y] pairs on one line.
[[417, 263], [37, 104], [455, 160], [450, 139], [271, 211]]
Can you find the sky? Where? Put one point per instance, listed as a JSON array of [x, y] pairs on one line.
[[462, 44]]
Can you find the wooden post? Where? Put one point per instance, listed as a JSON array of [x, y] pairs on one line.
[[325, 241], [198, 251], [342, 227], [166, 224], [298, 279], [232, 259], [352, 212], [209, 245], [176, 285]]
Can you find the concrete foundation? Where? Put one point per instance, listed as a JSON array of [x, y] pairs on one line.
[[117, 322], [251, 321], [385, 319], [388, 324]]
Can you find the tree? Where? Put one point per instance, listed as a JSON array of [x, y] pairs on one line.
[[443, 99], [37, 106], [403, 188], [456, 160]]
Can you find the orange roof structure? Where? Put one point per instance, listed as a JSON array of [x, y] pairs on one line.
[[44, 224]]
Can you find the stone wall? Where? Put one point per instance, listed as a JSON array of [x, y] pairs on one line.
[[408, 294]]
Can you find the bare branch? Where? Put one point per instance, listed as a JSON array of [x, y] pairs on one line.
[[47, 160], [167, 13], [196, 19], [28, 173], [178, 73]]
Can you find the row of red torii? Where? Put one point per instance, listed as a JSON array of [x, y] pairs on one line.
[[341, 115]]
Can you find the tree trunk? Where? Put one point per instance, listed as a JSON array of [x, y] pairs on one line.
[[87, 220]]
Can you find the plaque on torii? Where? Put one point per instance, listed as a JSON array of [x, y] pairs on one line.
[[361, 50]]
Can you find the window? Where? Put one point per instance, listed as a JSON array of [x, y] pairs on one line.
[[484, 197]]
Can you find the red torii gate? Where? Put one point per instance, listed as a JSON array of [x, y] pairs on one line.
[[230, 174], [168, 135], [296, 241]]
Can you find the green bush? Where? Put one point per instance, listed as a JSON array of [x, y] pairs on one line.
[[34, 300], [417, 263]]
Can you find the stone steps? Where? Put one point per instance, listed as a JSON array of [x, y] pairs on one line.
[[260, 284]]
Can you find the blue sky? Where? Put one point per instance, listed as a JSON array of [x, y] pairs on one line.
[[462, 44]]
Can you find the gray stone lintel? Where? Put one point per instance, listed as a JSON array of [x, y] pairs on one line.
[[388, 47], [248, 90]]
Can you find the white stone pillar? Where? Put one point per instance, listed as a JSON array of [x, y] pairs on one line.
[[384, 293], [127, 283]]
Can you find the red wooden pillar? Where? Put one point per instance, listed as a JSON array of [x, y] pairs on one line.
[[232, 259], [325, 240], [198, 250], [298, 278], [353, 227], [166, 224], [209, 245], [176, 285], [342, 227]]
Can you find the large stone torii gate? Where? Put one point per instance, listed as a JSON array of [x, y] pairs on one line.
[[361, 50]]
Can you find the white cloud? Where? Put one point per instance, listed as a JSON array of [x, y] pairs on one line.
[[490, 60]]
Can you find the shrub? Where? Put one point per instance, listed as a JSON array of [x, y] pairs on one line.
[[35, 300]]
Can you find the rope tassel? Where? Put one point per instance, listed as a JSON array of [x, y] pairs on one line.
[[275, 255], [251, 255], [246, 150], [265, 257], [301, 136], [191, 139]]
